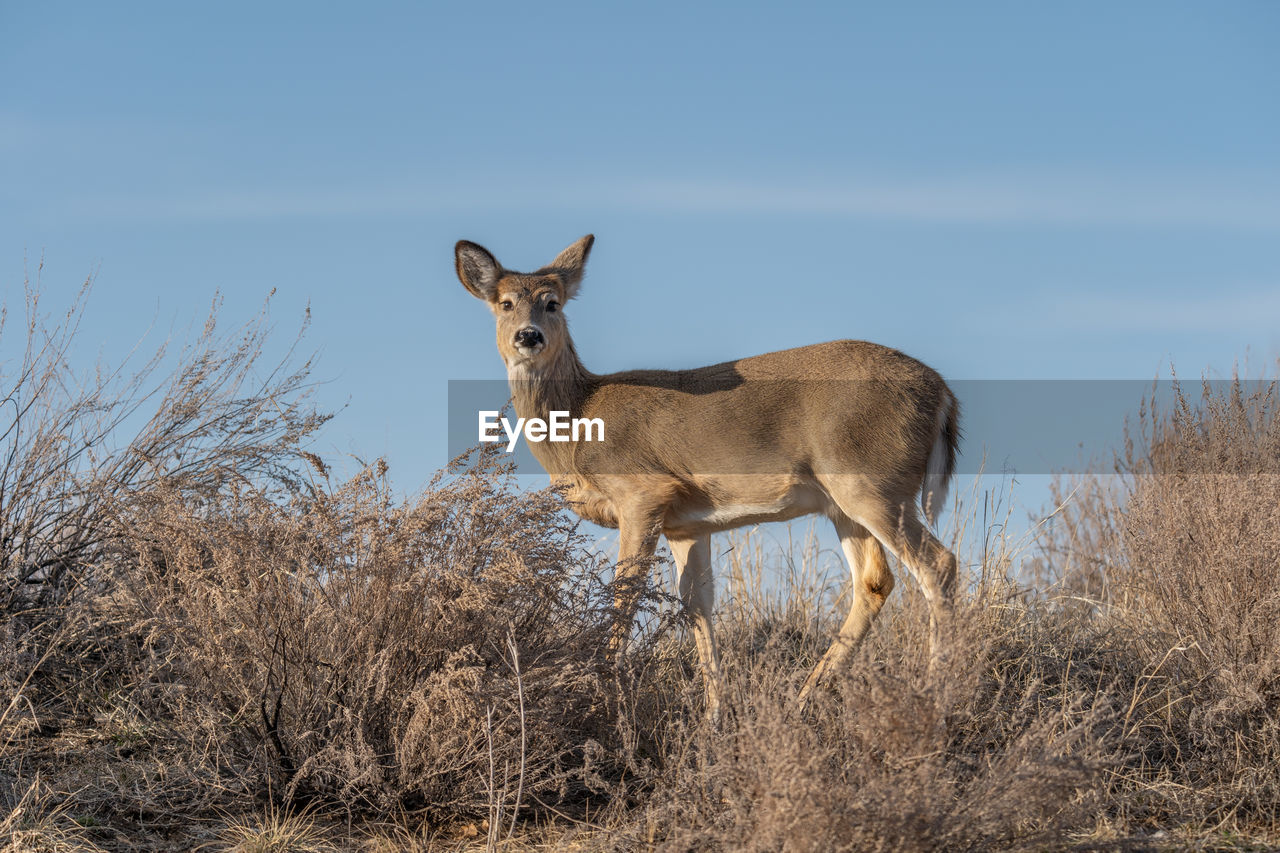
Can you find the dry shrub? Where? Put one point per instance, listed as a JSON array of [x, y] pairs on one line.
[[275, 832], [445, 653], [34, 820], [999, 746], [78, 449], [76, 446], [193, 619], [1183, 555]]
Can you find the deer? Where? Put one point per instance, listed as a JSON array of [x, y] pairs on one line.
[[848, 429]]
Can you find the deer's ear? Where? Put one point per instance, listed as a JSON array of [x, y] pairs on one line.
[[478, 270], [570, 265]]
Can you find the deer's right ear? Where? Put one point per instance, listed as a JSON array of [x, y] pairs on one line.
[[478, 270]]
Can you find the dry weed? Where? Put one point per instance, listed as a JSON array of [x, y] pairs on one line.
[[1182, 556], [37, 820], [197, 621], [274, 832], [445, 653]]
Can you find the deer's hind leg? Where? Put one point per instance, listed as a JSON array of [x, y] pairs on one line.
[[900, 529], [872, 583]]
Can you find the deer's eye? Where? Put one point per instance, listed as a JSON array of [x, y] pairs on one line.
[[553, 306], [507, 304]]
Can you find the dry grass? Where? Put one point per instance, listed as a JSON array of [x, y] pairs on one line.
[[275, 832], [206, 643], [444, 654], [1181, 557], [37, 822]]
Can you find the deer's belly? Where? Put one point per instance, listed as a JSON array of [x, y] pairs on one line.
[[696, 518]]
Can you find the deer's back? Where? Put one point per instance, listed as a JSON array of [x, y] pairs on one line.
[[850, 404]]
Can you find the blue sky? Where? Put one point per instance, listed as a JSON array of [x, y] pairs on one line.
[[1005, 190]]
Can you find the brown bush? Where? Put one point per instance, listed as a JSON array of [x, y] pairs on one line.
[[446, 653], [197, 626], [75, 448], [78, 451], [1182, 551], [998, 747]]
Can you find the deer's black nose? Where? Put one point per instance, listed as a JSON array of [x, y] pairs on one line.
[[528, 337]]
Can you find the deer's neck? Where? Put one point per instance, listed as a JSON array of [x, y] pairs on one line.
[[561, 385]]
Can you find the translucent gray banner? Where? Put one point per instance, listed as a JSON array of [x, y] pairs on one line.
[[1008, 426]]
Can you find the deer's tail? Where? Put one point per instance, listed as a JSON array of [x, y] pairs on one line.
[[942, 457]]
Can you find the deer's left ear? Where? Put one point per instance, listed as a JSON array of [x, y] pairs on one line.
[[570, 265]]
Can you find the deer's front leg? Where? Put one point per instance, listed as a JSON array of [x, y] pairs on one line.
[[638, 539], [698, 592]]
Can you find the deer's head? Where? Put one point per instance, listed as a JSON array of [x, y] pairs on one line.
[[527, 306]]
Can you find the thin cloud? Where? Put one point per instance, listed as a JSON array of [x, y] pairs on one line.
[[995, 202], [1233, 310], [1052, 201]]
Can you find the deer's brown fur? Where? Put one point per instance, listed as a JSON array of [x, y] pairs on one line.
[[848, 429]]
